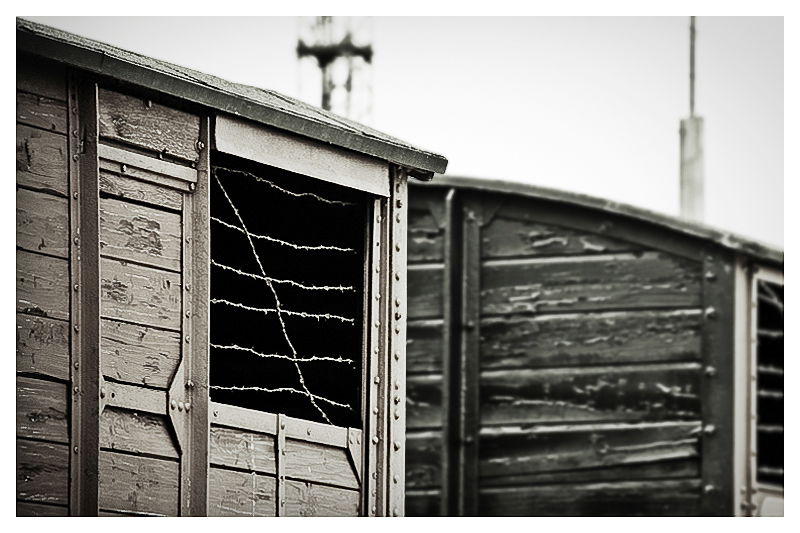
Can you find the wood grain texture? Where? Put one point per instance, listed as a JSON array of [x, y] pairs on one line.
[[40, 77], [129, 431], [425, 285], [627, 498], [158, 128], [138, 354], [508, 237], [589, 283], [41, 160], [423, 459], [41, 112], [38, 509], [43, 346], [425, 237], [424, 347], [307, 499], [139, 294], [42, 223], [511, 455], [42, 409], [138, 484], [319, 463], [240, 449], [42, 285], [142, 234], [423, 502], [140, 191], [424, 402], [42, 471], [588, 339], [232, 493], [646, 392]]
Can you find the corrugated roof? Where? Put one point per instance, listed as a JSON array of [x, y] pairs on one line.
[[261, 105], [723, 238]]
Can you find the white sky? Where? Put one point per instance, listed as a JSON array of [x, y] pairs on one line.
[[584, 104]]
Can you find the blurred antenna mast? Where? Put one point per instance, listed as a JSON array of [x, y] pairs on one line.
[[692, 186], [342, 50]]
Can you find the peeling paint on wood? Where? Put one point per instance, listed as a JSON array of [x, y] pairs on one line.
[[134, 432], [586, 339], [424, 402], [308, 499], [148, 125], [138, 484], [42, 471], [140, 191], [319, 463], [143, 234], [425, 284], [43, 346], [41, 160], [424, 345], [645, 392], [41, 112], [140, 294], [589, 283], [233, 493], [38, 509], [42, 409], [42, 285], [423, 459], [138, 354], [242, 450], [42, 223]]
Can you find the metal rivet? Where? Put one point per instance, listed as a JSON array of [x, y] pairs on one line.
[[186, 406], [148, 104], [396, 356], [190, 384], [187, 338], [377, 323], [397, 302], [124, 168], [75, 389], [377, 269], [173, 404], [75, 327], [74, 157], [188, 240], [710, 371], [399, 203], [377, 243], [375, 351], [711, 313], [374, 476], [75, 449], [397, 277], [188, 287], [74, 133], [75, 240], [709, 488], [376, 380], [75, 287], [396, 247], [180, 406], [397, 218], [397, 415], [75, 195], [396, 400], [308, 431], [76, 365], [188, 314], [710, 276], [375, 411], [378, 296], [396, 478], [375, 440], [396, 445], [283, 425], [396, 385], [200, 146], [373, 510], [709, 429], [192, 186], [102, 392], [397, 330], [216, 413], [397, 316]]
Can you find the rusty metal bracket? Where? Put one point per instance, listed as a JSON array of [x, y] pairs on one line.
[[177, 406], [354, 450]]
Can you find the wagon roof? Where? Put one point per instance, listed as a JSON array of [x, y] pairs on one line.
[[261, 105], [721, 237]]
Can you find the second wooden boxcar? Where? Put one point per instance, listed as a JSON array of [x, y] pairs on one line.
[[573, 356]]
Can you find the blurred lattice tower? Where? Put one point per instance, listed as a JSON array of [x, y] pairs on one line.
[[335, 56]]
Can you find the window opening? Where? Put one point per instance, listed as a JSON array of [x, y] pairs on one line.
[[287, 285]]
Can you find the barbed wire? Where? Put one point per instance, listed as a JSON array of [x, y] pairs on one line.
[[281, 189]]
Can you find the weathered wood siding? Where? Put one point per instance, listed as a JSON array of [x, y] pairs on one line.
[[590, 361], [424, 352], [43, 292]]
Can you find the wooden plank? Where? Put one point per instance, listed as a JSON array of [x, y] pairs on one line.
[[318, 463], [134, 432], [138, 484], [140, 191], [642, 392], [41, 77], [510, 237], [423, 503], [42, 285], [240, 449], [510, 453], [308, 499], [41, 112], [588, 339], [42, 409], [232, 493], [41, 160], [139, 294], [43, 346], [42, 223], [38, 509], [301, 155], [42, 471], [148, 125], [424, 346], [425, 286], [146, 168], [423, 459], [135, 398], [626, 498], [589, 283], [424, 402], [425, 237], [142, 234], [138, 354]]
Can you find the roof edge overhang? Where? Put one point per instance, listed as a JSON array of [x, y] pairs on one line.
[[419, 163], [755, 249]]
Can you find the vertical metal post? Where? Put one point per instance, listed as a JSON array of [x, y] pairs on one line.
[[692, 194], [280, 466], [85, 300]]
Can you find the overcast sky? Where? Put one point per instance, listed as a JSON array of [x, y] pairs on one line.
[[590, 105]]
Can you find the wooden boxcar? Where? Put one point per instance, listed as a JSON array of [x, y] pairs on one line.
[[210, 293], [572, 356]]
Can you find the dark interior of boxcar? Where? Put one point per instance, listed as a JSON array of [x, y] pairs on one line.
[[769, 398], [305, 361]]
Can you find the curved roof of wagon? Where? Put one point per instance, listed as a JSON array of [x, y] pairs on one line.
[[723, 238], [261, 105]]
